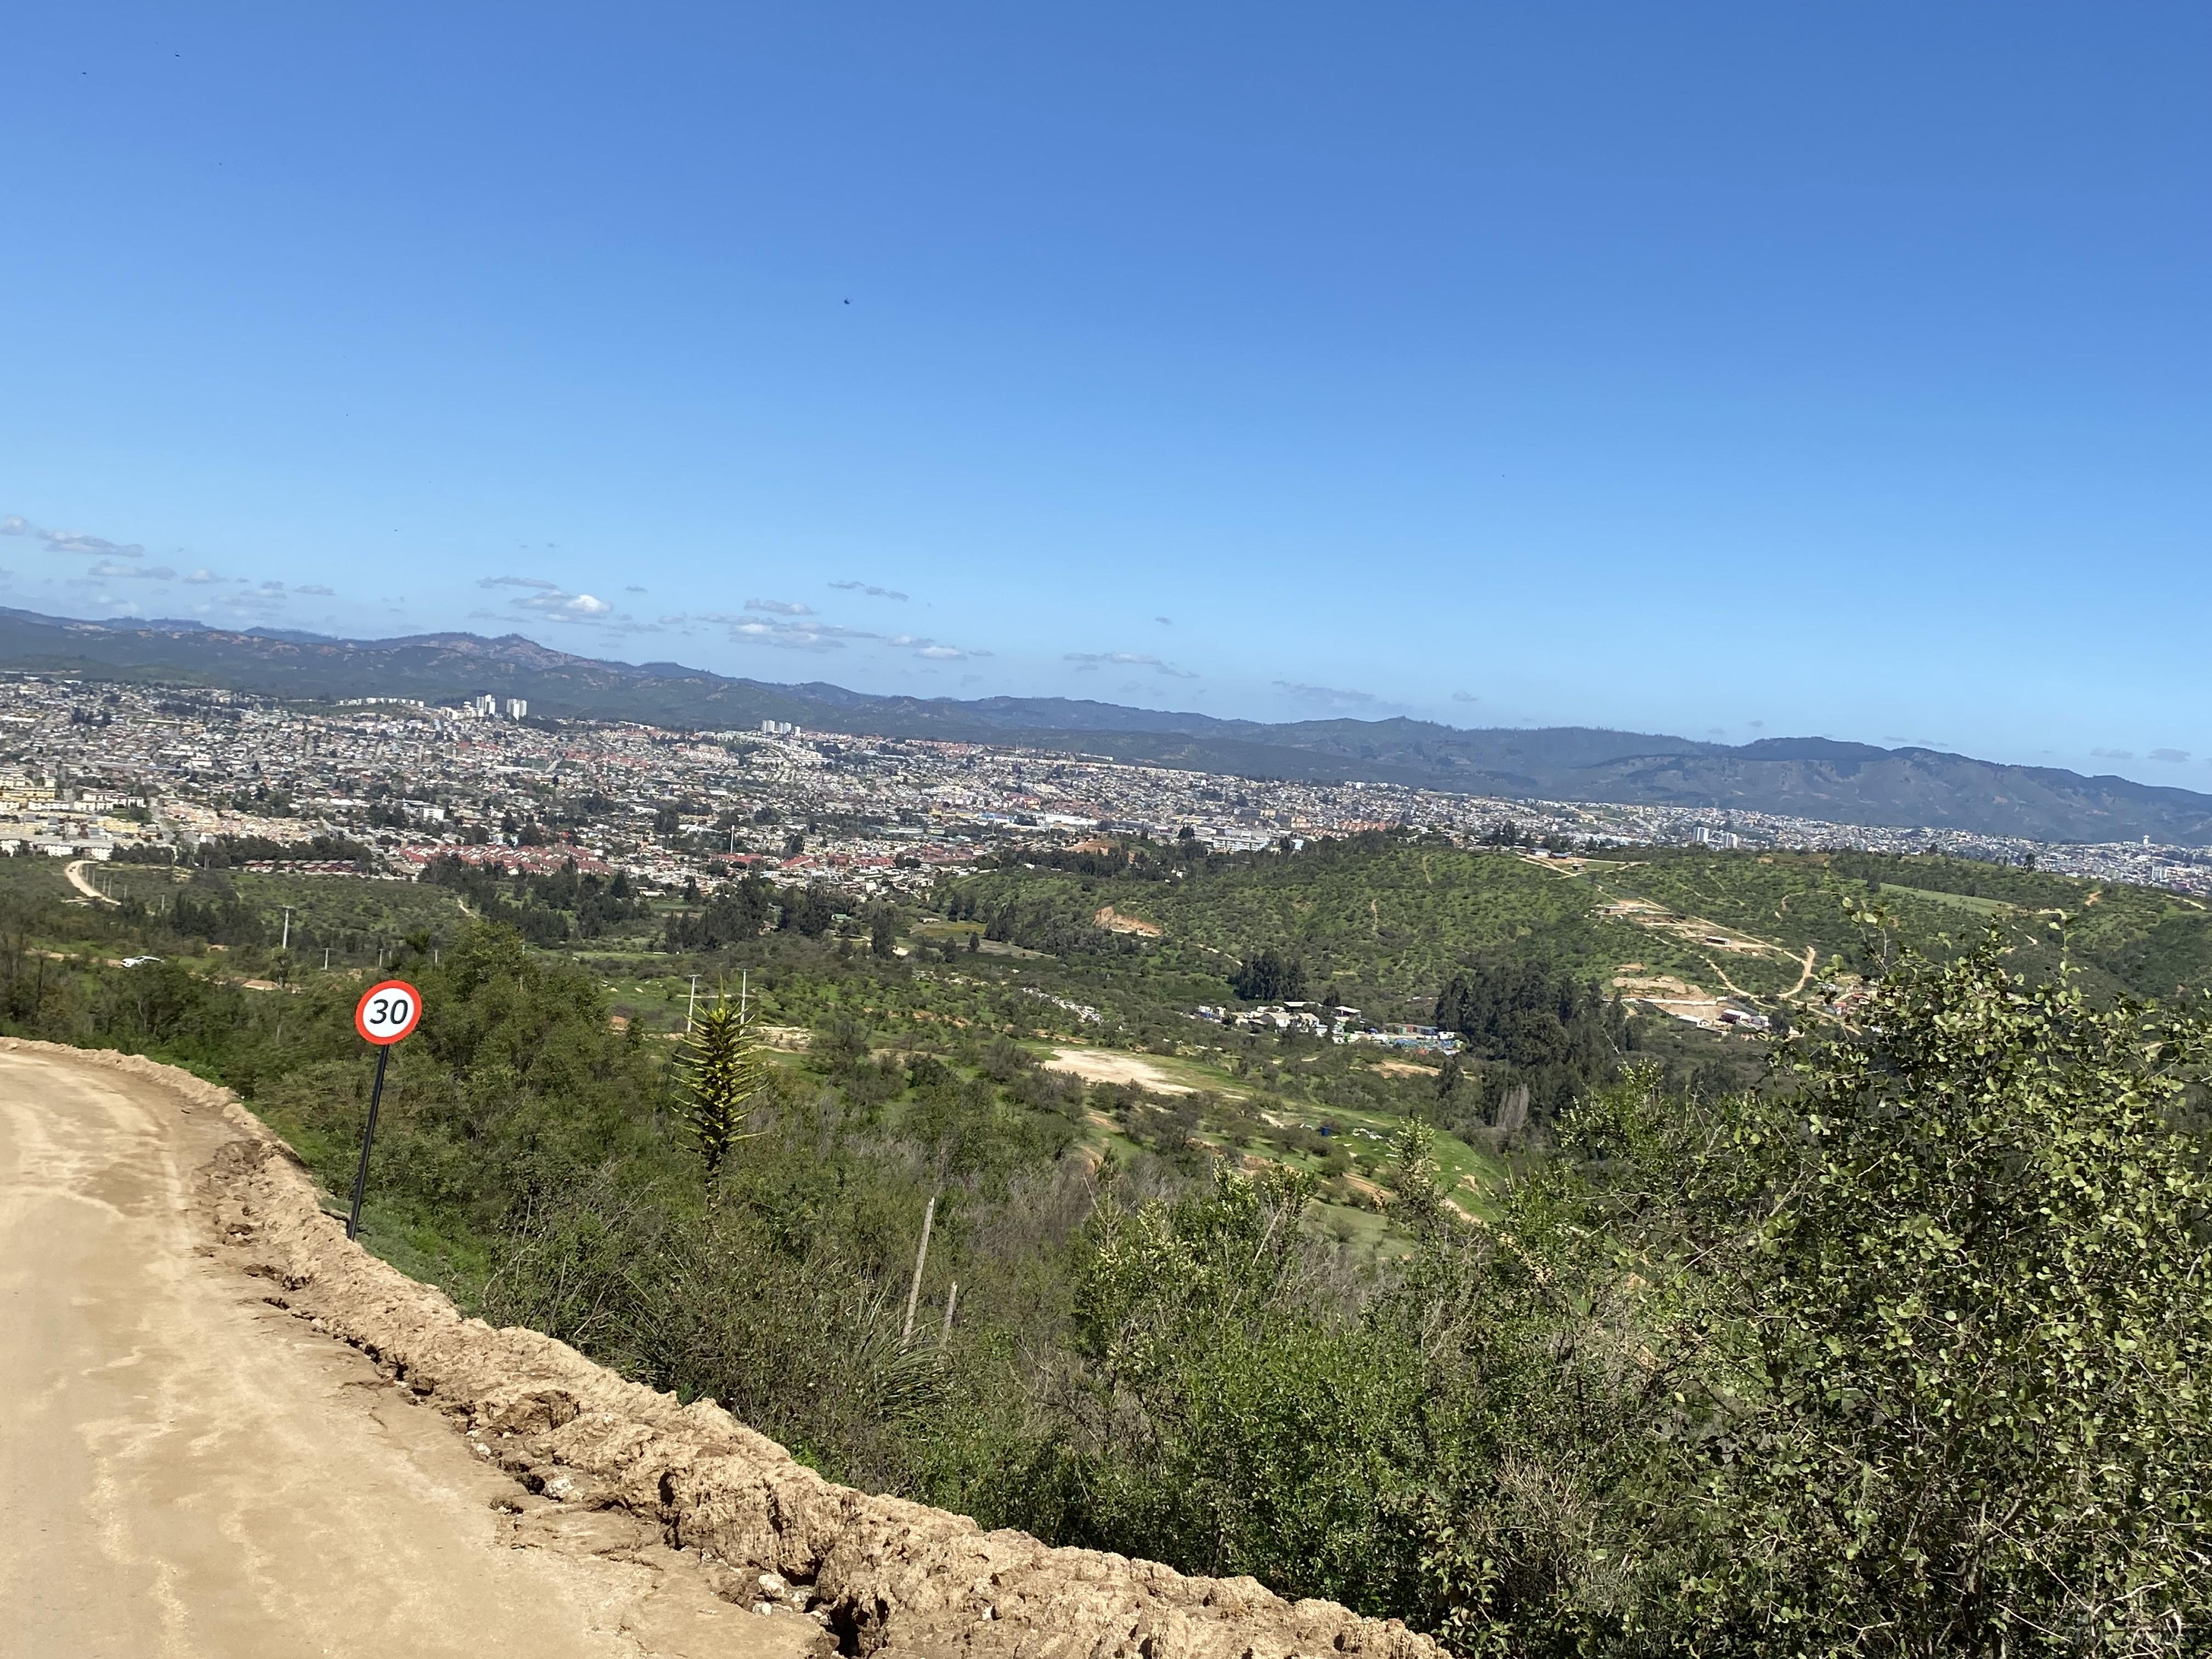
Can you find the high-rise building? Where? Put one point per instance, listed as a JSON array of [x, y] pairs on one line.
[[517, 707]]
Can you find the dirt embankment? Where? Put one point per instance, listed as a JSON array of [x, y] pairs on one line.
[[1114, 922], [885, 1577]]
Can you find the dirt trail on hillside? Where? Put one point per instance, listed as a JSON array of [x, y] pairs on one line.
[[82, 883], [185, 1470], [230, 1432]]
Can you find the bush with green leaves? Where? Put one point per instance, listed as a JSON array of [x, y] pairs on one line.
[[1975, 1413], [1909, 1359]]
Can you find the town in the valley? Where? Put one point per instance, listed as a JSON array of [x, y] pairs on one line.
[[97, 772]]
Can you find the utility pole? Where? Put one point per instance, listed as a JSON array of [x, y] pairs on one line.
[[691, 1007], [287, 945]]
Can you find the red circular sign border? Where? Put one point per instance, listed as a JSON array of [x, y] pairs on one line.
[[361, 1007]]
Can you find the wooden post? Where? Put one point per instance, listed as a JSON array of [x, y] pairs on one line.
[[920, 1260]]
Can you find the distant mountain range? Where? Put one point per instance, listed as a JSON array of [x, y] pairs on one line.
[[1806, 777]]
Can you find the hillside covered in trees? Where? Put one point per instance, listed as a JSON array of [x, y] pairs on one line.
[[1882, 1338]]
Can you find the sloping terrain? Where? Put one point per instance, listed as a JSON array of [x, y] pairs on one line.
[[624, 1486], [1386, 918], [187, 1470]]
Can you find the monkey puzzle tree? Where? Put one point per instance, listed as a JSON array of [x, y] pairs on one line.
[[723, 1068]]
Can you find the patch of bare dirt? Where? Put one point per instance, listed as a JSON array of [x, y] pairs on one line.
[[1105, 1066], [1114, 922]]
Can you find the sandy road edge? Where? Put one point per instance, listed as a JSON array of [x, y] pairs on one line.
[[892, 1576]]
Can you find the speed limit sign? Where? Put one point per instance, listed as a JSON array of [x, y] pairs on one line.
[[388, 1012]]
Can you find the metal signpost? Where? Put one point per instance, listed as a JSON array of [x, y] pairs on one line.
[[388, 1012]]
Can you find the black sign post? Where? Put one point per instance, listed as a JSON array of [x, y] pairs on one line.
[[368, 1135], [386, 1013]]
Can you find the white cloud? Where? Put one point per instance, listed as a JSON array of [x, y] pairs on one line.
[[318, 590], [1325, 697], [780, 607], [1129, 659], [804, 635], [1464, 696], [538, 582], [2171, 756], [71, 541], [872, 590], [567, 607], [2112, 754], [202, 576], [789, 636], [110, 567], [75, 541]]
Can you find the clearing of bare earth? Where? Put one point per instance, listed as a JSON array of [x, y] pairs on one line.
[[1110, 1066]]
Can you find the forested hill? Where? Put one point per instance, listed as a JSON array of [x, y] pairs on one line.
[[1807, 777], [1384, 920]]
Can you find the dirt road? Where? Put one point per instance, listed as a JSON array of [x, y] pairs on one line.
[[186, 1470], [82, 883]]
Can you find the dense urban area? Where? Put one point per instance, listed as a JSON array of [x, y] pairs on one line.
[[97, 772]]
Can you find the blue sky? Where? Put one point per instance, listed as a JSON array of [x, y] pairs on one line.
[[1728, 370]]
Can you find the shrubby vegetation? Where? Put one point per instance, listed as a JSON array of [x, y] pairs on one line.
[[1901, 1353], [545, 909]]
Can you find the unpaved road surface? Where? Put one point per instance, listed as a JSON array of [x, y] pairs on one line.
[[187, 1470], [82, 883]]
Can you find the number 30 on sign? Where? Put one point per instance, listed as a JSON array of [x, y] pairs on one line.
[[388, 1012]]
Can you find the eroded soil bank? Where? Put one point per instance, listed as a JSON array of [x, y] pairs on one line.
[[613, 1470]]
